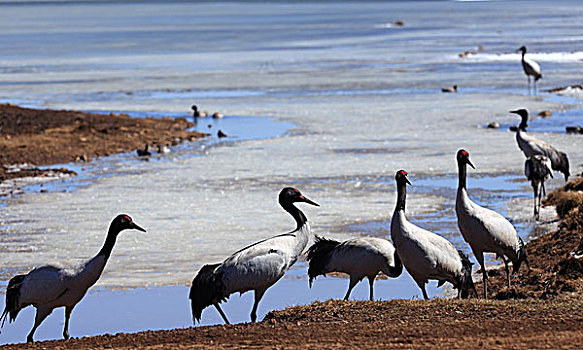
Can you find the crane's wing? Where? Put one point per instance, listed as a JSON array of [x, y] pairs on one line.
[[436, 256], [503, 231], [43, 285], [259, 266]]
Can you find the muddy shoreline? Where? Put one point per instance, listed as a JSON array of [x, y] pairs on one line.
[[33, 137]]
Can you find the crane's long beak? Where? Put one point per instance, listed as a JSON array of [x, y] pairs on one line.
[[408, 181], [515, 112], [470, 164], [136, 227], [304, 199]]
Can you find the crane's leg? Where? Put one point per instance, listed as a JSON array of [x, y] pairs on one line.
[[370, 284], [353, 282], [424, 292], [221, 313], [421, 285], [540, 195], [41, 314], [258, 295], [535, 190], [480, 257], [534, 83], [68, 310], [507, 269]]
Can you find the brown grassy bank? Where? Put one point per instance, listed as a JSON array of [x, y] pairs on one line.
[[46, 137]]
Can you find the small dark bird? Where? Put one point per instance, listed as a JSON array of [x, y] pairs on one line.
[[221, 134], [50, 286], [538, 169], [574, 129], [196, 113], [451, 89], [144, 152], [217, 115]]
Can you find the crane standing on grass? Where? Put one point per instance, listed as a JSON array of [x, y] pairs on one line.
[[48, 287], [358, 257], [256, 267], [426, 255], [484, 229]]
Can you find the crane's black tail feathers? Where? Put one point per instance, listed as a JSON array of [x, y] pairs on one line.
[[207, 289], [539, 76], [319, 255], [466, 283], [563, 165], [395, 271], [521, 256], [12, 295]]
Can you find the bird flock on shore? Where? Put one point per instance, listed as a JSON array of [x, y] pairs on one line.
[[424, 254]]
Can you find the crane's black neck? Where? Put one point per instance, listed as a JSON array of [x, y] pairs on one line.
[[522, 126], [401, 196], [109, 241], [462, 173], [297, 214]]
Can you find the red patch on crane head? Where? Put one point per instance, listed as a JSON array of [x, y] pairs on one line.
[[296, 191], [402, 172], [465, 153]]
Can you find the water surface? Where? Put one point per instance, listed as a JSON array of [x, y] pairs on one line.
[[337, 99]]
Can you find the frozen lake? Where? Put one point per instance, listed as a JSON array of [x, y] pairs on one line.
[[325, 97]]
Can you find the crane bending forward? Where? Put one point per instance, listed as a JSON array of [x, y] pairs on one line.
[[256, 267]]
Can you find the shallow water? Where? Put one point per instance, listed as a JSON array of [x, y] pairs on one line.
[[349, 99]]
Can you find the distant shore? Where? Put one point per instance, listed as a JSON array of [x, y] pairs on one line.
[[39, 137], [542, 309]]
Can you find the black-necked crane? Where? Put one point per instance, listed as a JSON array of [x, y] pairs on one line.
[[358, 257], [538, 169], [425, 254], [256, 267], [196, 113], [485, 230], [531, 68], [531, 146], [50, 286]]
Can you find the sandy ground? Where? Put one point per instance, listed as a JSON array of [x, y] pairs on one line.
[[543, 309]]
